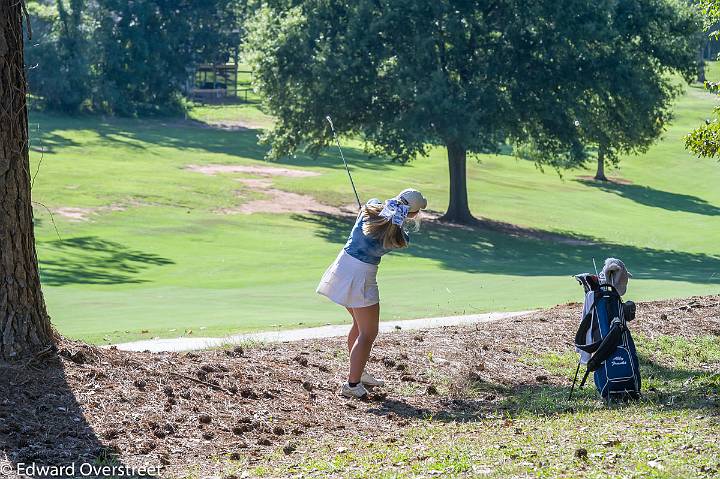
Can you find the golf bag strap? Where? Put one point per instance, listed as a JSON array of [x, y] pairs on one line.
[[581, 334], [607, 346]]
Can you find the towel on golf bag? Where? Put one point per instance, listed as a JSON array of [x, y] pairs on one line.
[[606, 345], [615, 273], [591, 284], [587, 305]]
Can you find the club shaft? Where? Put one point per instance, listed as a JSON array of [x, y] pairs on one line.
[[347, 168]]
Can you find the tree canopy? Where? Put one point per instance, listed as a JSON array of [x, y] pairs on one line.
[[631, 99], [469, 76]]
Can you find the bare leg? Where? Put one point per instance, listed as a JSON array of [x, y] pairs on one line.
[[367, 320], [353, 334]]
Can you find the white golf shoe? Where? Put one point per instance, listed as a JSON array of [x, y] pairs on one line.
[[369, 380], [358, 391]]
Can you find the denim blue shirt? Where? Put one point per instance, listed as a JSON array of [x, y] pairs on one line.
[[363, 247]]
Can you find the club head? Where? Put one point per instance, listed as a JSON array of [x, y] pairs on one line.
[[330, 121]]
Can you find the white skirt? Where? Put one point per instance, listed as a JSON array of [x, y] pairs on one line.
[[350, 282]]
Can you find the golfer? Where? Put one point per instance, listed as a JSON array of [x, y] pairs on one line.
[[351, 280]]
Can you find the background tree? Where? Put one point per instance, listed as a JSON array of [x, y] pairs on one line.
[[60, 54], [705, 140], [125, 57], [631, 100], [147, 49], [24, 322], [406, 75], [73, 64], [142, 66]]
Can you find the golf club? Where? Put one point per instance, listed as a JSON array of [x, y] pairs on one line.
[[343, 159]]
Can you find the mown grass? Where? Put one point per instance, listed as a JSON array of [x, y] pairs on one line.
[[670, 433], [156, 256]]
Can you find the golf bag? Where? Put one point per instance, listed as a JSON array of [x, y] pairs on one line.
[[604, 337]]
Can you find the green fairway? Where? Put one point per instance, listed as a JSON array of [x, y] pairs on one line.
[[150, 253]]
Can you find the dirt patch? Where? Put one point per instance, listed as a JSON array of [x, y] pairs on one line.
[[280, 201], [253, 170], [77, 215], [275, 200], [257, 183], [235, 125], [208, 408], [611, 179], [227, 125]]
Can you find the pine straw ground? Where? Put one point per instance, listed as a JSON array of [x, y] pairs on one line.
[[204, 410]]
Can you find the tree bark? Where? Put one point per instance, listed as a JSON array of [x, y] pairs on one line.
[[600, 175], [24, 322], [458, 210]]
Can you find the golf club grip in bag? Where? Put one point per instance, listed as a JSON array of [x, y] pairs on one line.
[[603, 333]]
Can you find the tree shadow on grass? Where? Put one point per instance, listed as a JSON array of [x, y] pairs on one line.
[[530, 252], [43, 424], [149, 134], [648, 196], [91, 260], [243, 143], [357, 159], [49, 142]]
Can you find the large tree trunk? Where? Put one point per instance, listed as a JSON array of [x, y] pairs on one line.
[[458, 210], [600, 175], [24, 322], [701, 65]]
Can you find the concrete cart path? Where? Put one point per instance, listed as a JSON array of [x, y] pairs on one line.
[[191, 344]]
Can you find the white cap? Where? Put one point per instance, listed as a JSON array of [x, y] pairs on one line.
[[413, 198]]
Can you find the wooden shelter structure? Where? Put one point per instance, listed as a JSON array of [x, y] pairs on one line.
[[217, 83]]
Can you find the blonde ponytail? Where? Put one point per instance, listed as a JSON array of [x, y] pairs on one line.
[[381, 228]]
